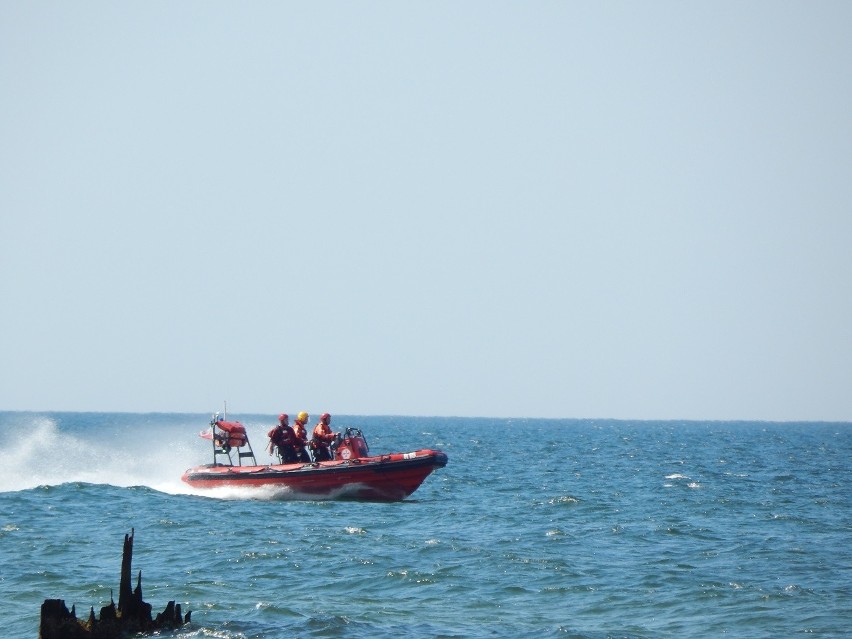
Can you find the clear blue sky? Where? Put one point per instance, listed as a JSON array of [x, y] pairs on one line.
[[553, 209]]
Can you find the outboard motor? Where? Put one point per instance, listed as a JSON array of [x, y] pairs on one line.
[[351, 445]]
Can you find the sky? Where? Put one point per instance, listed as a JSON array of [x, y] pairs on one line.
[[511, 209]]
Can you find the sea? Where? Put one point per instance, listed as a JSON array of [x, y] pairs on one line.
[[535, 528]]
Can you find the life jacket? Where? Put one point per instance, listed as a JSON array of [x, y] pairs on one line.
[[322, 435], [300, 433]]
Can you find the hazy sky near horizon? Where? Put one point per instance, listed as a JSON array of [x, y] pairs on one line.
[[544, 209]]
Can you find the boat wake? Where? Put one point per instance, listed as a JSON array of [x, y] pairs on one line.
[[48, 454], [271, 493]]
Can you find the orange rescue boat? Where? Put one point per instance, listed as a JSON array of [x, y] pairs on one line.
[[353, 473]]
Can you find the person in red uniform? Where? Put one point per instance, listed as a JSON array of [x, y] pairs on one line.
[[321, 443], [301, 437], [283, 439]]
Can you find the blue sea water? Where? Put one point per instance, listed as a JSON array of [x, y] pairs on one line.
[[536, 528]]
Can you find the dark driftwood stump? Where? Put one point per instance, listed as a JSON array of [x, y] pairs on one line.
[[132, 615]]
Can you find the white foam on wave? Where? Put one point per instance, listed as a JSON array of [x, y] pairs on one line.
[[267, 493], [45, 455], [260, 493]]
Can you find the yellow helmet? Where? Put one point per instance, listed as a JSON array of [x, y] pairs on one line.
[[302, 417]]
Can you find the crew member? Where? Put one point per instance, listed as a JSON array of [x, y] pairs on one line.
[[321, 443], [283, 439], [301, 434]]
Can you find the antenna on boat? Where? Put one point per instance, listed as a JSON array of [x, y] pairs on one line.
[[225, 412]]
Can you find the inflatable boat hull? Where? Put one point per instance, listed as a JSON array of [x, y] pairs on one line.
[[380, 478]]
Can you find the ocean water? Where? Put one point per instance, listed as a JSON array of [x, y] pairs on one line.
[[536, 528]]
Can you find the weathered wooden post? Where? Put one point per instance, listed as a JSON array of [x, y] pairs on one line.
[[132, 616]]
